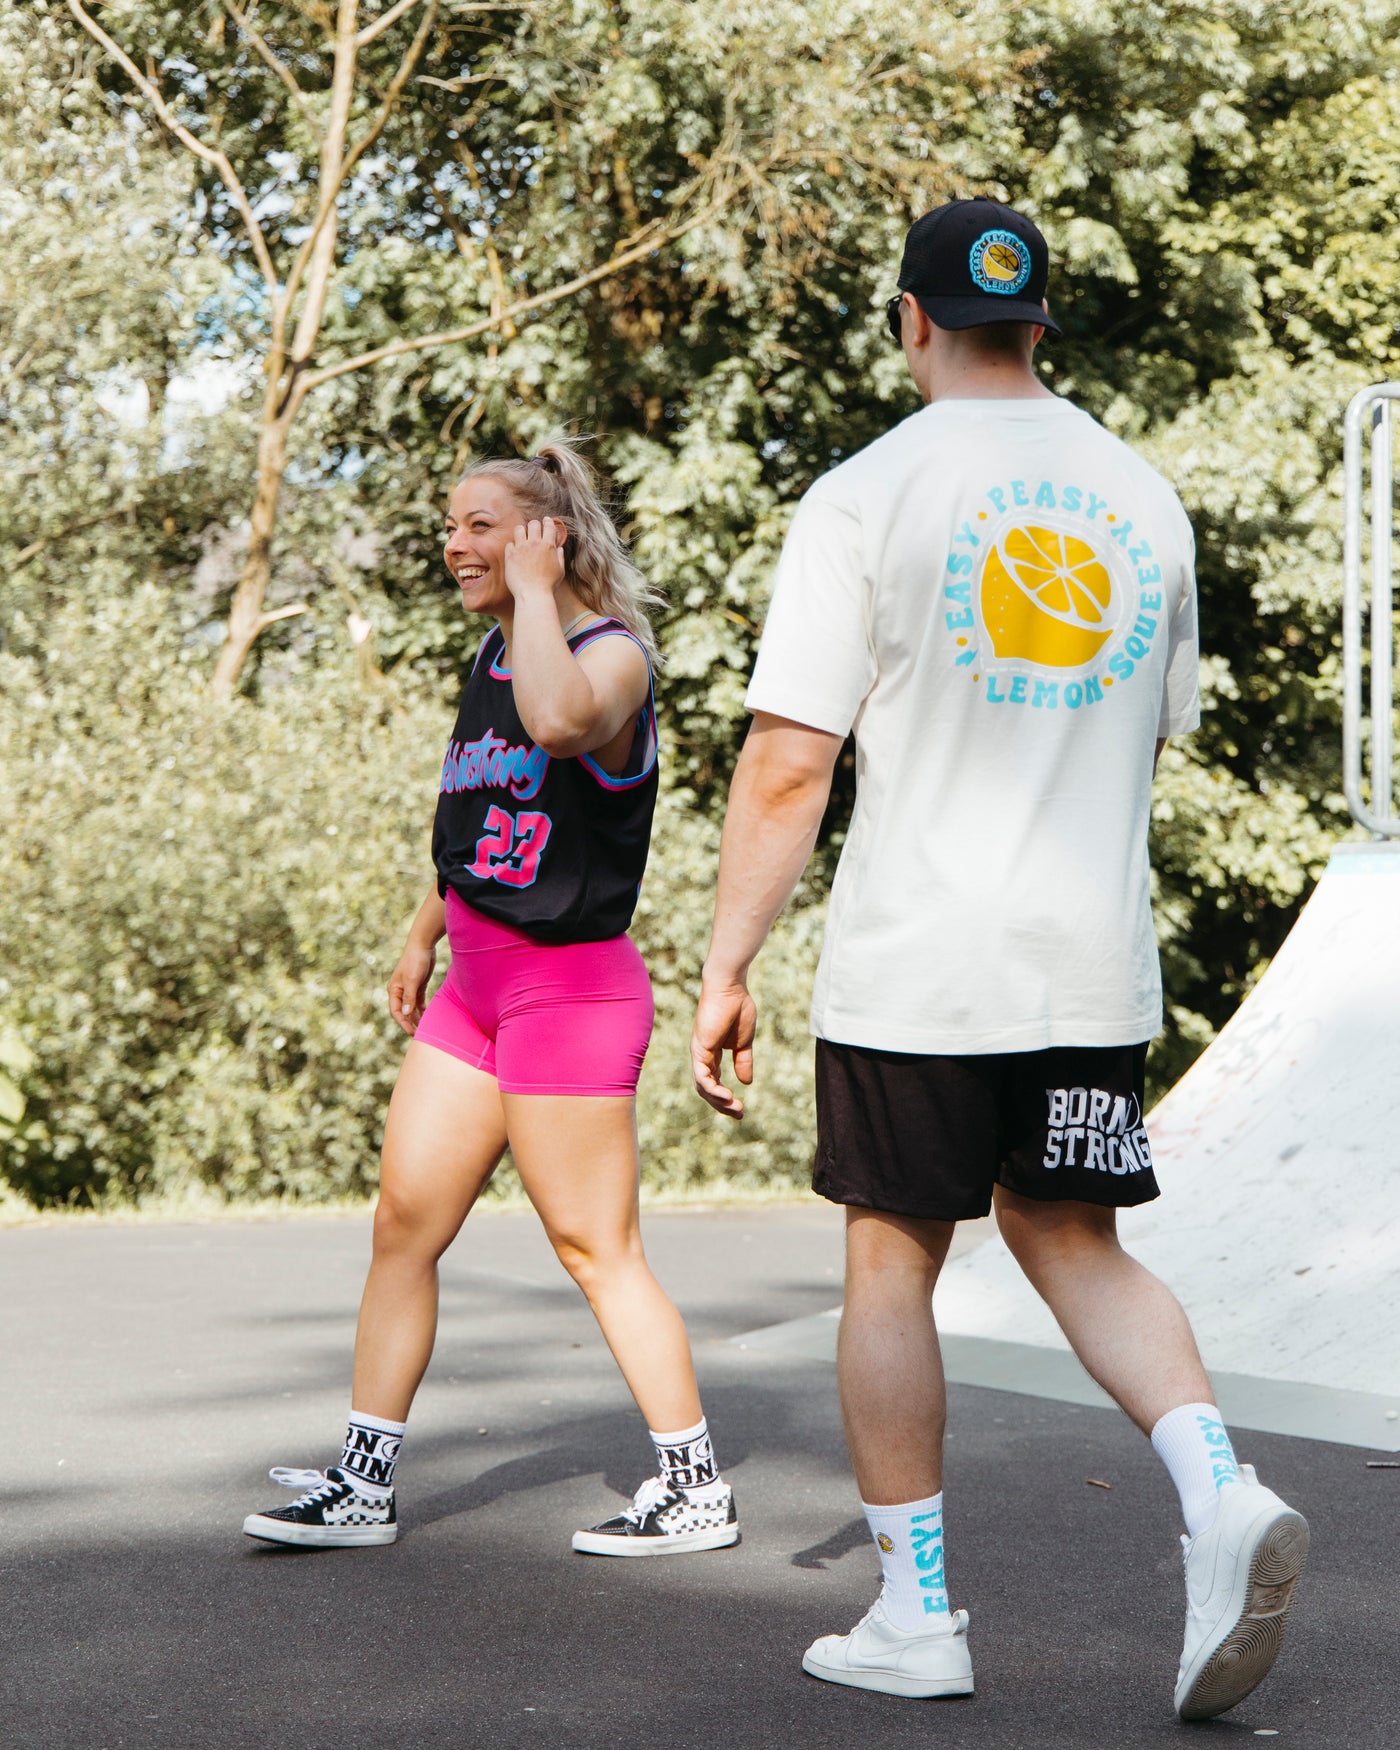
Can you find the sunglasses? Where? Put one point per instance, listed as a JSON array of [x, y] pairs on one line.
[[892, 316]]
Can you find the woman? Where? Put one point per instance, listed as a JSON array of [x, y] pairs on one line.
[[535, 1039]]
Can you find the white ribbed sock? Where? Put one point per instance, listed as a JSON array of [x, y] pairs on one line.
[[910, 1541], [686, 1459], [1192, 1443], [370, 1453]]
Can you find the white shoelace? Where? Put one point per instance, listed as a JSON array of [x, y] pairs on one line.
[[313, 1483], [654, 1492]]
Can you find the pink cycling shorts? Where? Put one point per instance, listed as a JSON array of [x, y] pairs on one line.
[[543, 1018]]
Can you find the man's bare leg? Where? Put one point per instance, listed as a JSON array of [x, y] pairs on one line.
[[893, 1400], [1247, 1547], [1127, 1328], [888, 1366]]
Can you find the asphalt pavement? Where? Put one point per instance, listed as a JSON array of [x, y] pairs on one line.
[[152, 1372]]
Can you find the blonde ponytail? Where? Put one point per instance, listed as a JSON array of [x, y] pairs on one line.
[[559, 482]]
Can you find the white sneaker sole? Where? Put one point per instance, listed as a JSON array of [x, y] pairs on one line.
[[1226, 1670], [591, 1543], [887, 1682], [317, 1536]]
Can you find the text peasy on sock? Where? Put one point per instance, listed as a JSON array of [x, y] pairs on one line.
[[1191, 1441]]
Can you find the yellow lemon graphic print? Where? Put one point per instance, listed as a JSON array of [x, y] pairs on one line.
[[1000, 262], [885, 1543], [1045, 598]]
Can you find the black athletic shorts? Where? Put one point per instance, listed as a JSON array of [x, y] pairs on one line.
[[930, 1136]]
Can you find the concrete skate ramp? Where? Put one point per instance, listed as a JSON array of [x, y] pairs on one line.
[[1278, 1154]]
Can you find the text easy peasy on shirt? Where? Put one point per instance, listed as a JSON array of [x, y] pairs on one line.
[[999, 598], [555, 848]]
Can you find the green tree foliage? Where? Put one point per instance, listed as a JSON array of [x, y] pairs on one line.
[[1216, 177], [104, 294], [542, 154], [201, 910]]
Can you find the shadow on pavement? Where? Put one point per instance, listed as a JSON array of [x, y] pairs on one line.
[[134, 1615]]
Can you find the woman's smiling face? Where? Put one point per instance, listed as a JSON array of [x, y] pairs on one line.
[[482, 518]]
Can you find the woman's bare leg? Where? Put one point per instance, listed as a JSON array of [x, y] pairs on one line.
[[444, 1135], [577, 1159]]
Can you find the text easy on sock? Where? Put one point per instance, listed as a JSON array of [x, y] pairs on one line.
[[909, 1538]]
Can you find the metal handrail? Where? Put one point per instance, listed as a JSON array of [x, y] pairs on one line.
[[1380, 818]]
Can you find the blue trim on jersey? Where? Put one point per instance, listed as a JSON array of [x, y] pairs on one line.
[[595, 770], [591, 635], [591, 766]]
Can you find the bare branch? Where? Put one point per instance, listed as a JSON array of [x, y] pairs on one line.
[[475, 410], [402, 74], [396, 12], [34, 548], [227, 174], [269, 57], [330, 195], [459, 84], [18, 370], [270, 618], [467, 158], [315, 260], [381, 24], [449, 337]]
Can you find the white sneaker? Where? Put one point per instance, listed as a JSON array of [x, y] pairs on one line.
[[1240, 1576], [896, 1661]]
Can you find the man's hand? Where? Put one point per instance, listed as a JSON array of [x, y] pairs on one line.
[[776, 800], [724, 1021]]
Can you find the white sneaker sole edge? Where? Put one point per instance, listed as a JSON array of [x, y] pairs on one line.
[[1238, 1658], [589, 1543], [888, 1682], [317, 1536]]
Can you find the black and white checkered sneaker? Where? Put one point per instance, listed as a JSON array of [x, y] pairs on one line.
[[663, 1521], [331, 1513]]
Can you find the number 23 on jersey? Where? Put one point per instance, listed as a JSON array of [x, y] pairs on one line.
[[509, 850]]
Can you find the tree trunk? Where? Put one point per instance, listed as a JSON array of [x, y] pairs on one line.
[[247, 617]]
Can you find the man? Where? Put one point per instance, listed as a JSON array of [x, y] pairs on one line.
[[999, 598]]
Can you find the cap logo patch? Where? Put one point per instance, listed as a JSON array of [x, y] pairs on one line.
[[1000, 262]]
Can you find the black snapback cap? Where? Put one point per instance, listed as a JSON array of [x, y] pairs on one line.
[[975, 261]]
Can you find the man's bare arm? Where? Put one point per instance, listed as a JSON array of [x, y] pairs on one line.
[[776, 802]]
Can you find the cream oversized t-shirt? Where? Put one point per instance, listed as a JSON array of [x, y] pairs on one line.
[[999, 598]]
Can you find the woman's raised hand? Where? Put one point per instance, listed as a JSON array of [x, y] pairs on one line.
[[535, 558]]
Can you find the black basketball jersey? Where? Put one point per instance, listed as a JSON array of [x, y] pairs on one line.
[[553, 847]]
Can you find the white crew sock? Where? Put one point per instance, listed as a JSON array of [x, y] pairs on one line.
[[910, 1541], [686, 1459], [1192, 1443], [370, 1453]]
